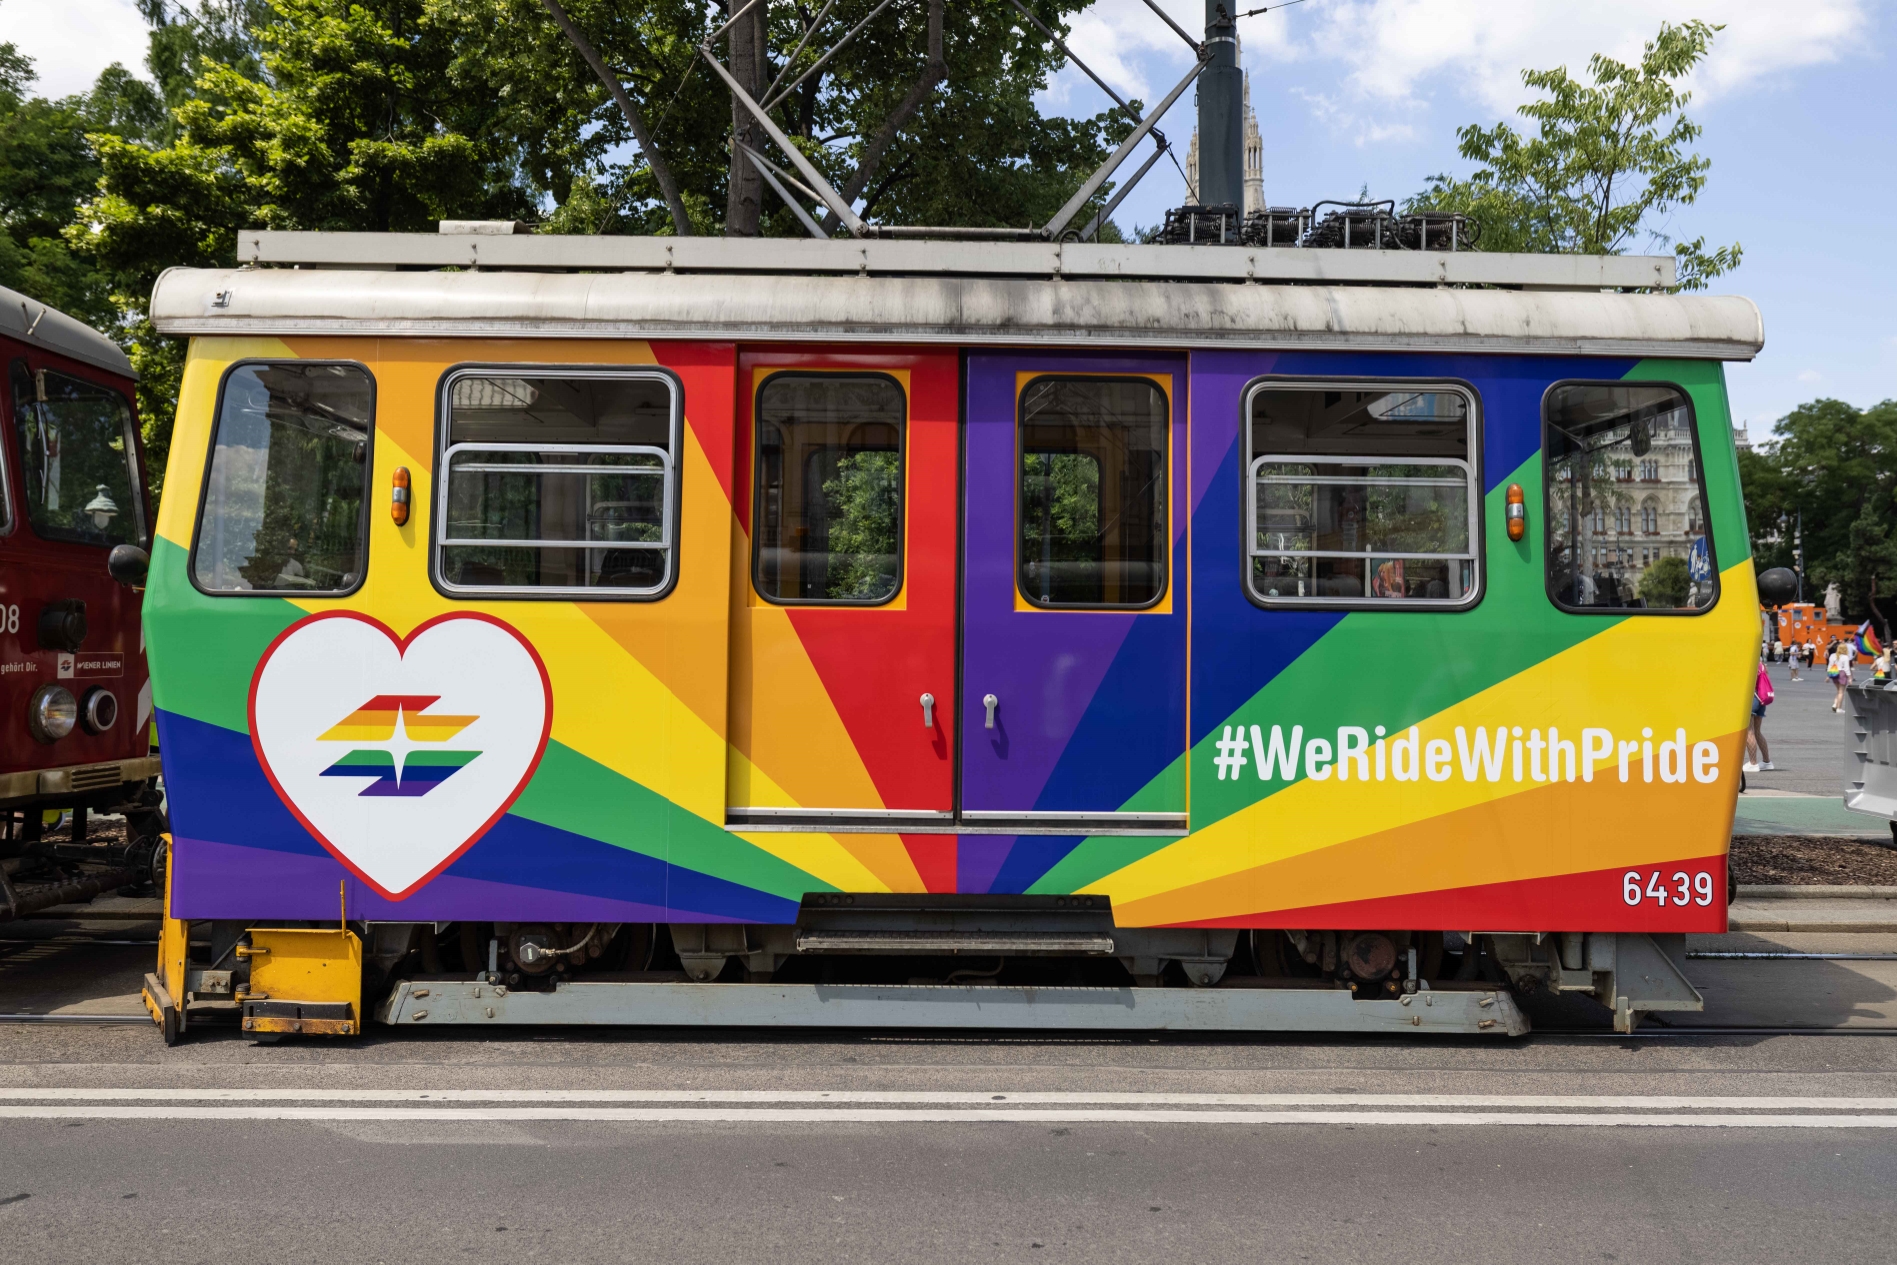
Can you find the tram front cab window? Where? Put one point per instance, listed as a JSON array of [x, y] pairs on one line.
[[285, 499], [557, 482], [1616, 544], [1361, 494], [77, 459], [827, 523], [1092, 508]]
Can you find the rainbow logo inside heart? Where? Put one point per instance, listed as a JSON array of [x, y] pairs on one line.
[[380, 785], [406, 758]]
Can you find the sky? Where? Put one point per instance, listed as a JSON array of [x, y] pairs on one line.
[[1795, 99]]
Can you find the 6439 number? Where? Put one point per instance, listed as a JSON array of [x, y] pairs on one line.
[[1680, 888]]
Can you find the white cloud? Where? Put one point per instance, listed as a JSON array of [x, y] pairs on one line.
[[71, 41], [1380, 55], [1392, 49], [1810, 375]]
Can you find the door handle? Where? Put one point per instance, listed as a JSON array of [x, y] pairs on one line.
[[928, 711], [989, 702]]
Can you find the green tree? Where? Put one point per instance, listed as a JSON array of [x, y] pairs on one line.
[[1666, 583], [1835, 467], [48, 168], [863, 511], [1606, 162]]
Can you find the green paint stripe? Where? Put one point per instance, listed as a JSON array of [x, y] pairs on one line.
[[574, 793], [203, 649]]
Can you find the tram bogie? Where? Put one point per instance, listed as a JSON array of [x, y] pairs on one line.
[[1022, 643]]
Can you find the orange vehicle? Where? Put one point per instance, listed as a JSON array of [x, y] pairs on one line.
[[1800, 623]]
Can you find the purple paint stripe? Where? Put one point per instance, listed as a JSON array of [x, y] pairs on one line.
[[978, 860], [223, 880], [1218, 386]]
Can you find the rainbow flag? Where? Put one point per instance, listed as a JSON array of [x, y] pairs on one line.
[[1867, 642]]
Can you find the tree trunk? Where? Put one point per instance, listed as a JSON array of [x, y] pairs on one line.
[[681, 222], [934, 74], [749, 65]]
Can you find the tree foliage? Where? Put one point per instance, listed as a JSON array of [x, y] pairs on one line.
[[1834, 466], [1605, 163]]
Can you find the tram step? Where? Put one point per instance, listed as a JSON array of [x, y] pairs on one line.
[[927, 942]]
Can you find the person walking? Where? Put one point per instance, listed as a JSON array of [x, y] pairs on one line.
[[1838, 667], [1758, 754], [1794, 653]]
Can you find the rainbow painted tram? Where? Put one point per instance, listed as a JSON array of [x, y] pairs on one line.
[[935, 634]]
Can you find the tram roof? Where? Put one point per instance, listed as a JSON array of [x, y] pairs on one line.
[[34, 322], [1074, 294]]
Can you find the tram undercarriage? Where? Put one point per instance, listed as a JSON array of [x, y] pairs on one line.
[[894, 961]]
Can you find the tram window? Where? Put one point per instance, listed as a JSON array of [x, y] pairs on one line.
[[1092, 502], [285, 502], [558, 482], [77, 459], [1361, 495], [1593, 432], [827, 519]]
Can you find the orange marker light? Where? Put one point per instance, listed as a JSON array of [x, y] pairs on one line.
[[1517, 512], [398, 497]]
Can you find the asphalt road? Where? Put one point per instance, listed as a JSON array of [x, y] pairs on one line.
[[1805, 735], [1669, 1146]]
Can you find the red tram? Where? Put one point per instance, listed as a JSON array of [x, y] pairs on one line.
[[75, 698]]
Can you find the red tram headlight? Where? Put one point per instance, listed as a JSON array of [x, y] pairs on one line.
[[51, 713]]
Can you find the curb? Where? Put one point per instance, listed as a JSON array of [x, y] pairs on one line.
[[1815, 891], [1800, 924]]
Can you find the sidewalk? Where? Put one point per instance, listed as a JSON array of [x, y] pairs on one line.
[[1855, 910]]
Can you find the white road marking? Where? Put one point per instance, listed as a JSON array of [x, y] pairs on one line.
[[961, 1115], [938, 1098]]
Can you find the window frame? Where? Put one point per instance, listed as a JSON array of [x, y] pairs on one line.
[[134, 454], [1165, 554], [9, 521], [1473, 463], [674, 483], [774, 373], [210, 457], [1696, 463]]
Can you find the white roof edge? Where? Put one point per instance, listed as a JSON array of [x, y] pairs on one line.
[[962, 310], [59, 333], [911, 257]]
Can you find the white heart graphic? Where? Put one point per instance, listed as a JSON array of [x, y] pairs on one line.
[[397, 754]]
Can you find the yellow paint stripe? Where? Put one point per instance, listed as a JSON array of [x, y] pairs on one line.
[[682, 640], [1648, 685]]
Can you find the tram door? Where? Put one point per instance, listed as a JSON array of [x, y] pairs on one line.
[[1075, 599], [842, 703]]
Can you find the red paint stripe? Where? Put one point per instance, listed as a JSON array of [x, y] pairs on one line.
[[1592, 900], [934, 859]]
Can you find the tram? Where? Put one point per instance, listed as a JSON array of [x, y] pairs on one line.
[[935, 634], [74, 525]]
